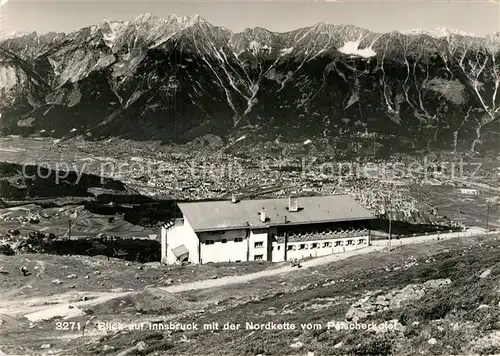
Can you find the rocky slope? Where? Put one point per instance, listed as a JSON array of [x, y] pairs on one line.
[[176, 79]]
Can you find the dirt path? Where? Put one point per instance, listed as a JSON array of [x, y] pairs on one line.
[[63, 310], [55, 305], [473, 232], [36, 309], [212, 283]]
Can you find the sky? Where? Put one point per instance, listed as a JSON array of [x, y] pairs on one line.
[[478, 17]]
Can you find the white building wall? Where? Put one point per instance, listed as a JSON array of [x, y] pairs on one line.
[[191, 241], [226, 246], [163, 242], [259, 244], [278, 251], [335, 246], [181, 233]]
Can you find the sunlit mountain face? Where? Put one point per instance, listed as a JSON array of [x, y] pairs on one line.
[[179, 78]]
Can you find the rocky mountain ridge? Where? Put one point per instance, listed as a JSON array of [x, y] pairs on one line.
[[180, 78]]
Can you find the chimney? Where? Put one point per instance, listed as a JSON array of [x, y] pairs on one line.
[[262, 215], [293, 203], [234, 198]]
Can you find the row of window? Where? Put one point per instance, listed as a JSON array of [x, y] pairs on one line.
[[211, 242], [260, 244], [325, 244]]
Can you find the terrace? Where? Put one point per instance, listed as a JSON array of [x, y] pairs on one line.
[[325, 234]]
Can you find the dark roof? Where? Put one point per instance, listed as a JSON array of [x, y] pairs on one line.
[[225, 215]]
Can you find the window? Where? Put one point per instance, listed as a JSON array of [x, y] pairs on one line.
[[238, 261], [209, 242], [224, 241], [258, 257], [302, 247], [259, 244], [327, 244], [338, 243], [314, 245], [279, 247], [238, 239], [350, 242], [361, 241], [290, 247]]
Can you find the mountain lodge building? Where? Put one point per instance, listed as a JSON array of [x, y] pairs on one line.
[[266, 229]]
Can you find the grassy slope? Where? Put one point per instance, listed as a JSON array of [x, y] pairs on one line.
[[301, 298], [17, 336], [115, 273]]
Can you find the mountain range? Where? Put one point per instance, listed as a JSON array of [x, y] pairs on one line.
[[181, 78]]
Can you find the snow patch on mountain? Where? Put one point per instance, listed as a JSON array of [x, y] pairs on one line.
[[352, 100], [240, 138], [256, 47], [352, 47], [286, 51]]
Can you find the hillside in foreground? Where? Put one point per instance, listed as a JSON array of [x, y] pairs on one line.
[[435, 298]]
